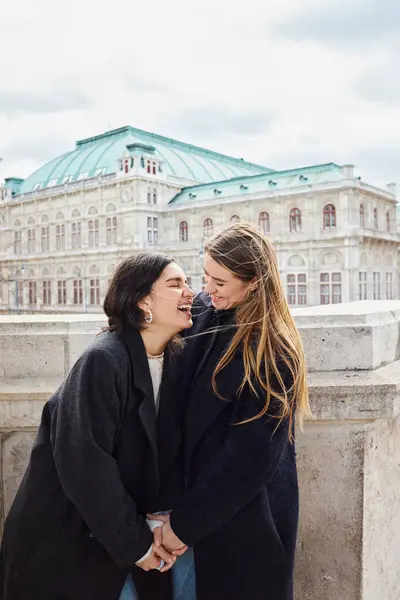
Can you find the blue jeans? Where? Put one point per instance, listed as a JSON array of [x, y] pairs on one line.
[[183, 580]]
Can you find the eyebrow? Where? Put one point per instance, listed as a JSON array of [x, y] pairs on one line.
[[178, 279], [215, 278]]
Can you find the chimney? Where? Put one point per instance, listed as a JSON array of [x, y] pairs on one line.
[[391, 188], [348, 171]]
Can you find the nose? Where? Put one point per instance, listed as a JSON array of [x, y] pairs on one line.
[[188, 291], [210, 288]]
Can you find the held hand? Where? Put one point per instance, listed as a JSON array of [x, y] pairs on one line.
[[167, 537], [153, 561]]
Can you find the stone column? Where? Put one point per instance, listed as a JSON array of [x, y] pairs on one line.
[[349, 456]]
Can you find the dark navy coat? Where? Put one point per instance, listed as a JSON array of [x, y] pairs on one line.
[[240, 510]]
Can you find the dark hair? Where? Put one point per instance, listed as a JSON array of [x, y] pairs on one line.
[[132, 281]]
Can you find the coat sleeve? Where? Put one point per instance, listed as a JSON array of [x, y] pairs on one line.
[[241, 469], [83, 431]]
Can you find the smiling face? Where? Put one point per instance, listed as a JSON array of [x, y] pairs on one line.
[[170, 301], [225, 288]]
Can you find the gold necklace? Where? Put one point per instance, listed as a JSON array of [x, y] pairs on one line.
[[155, 356]]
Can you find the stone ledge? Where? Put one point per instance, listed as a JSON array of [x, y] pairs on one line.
[[335, 396]]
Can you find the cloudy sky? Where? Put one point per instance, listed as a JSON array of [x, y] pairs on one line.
[[284, 83]]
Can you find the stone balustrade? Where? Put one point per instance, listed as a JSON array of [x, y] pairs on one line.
[[348, 456]]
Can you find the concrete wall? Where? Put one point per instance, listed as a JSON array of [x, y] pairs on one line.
[[348, 457]]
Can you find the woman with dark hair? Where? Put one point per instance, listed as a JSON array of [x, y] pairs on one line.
[[78, 523], [242, 377]]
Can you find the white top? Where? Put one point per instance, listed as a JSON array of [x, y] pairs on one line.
[[156, 368]]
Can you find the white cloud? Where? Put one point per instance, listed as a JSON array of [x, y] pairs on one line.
[[83, 67]]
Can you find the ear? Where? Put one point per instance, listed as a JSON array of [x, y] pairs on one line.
[[253, 285], [144, 304]]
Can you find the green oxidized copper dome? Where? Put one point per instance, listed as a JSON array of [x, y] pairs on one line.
[[99, 156]]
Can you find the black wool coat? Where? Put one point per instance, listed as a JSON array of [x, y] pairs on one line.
[[77, 524], [240, 510]]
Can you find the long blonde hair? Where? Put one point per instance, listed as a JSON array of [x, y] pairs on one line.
[[264, 318]]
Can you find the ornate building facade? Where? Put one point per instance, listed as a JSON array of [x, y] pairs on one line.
[[64, 228]]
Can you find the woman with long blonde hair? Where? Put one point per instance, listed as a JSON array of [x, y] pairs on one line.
[[243, 378]]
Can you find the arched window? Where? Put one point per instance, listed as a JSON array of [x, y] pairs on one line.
[[235, 219], [388, 221], [295, 220], [375, 218], [111, 231], [263, 221], [183, 231], [362, 216], [329, 216], [60, 237], [93, 227], [208, 228]]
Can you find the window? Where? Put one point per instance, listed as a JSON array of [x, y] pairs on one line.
[[329, 216], [183, 231], [76, 234], [291, 289], [20, 292], [52, 183], [62, 291], [45, 235], [263, 221], [82, 176], [126, 165], [336, 288], [111, 231], [151, 167], [152, 231], [37, 186], [67, 179], [208, 228], [60, 237], [375, 218], [295, 220], [78, 291], [46, 288], [99, 172], [297, 289], [17, 242], [31, 240], [362, 285], [148, 196], [93, 227], [388, 221], [235, 219], [154, 196], [389, 286], [95, 291], [32, 292], [189, 281], [203, 283], [362, 216], [376, 279], [331, 288]]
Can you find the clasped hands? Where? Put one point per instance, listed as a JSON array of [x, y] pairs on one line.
[[166, 546]]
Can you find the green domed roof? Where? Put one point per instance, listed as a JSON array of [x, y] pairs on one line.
[[99, 156]]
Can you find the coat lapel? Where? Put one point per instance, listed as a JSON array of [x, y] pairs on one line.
[[169, 422], [202, 414], [142, 382]]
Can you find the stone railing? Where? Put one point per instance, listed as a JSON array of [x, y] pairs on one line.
[[348, 456]]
